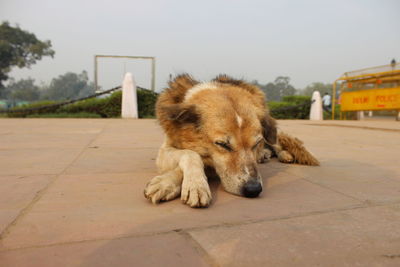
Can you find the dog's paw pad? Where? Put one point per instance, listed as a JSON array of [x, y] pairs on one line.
[[161, 189], [196, 195]]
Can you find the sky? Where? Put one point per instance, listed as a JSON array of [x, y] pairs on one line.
[[309, 41]]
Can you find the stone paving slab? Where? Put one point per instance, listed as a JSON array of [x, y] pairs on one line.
[[353, 237], [114, 160], [24, 190], [36, 161], [169, 249], [86, 207], [73, 189]]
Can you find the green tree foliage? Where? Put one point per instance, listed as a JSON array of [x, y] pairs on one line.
[[279, 88], [284, 87], [19, 48], [24, 89], [69, 86], [317, 86]]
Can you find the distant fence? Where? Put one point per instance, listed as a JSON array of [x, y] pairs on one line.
[[297, 111], [57, 105]]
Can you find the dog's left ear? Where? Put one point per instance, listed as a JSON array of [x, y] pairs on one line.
[[269, 129], [182, 114]]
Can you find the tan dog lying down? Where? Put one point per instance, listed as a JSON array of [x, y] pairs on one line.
[[223, 124]]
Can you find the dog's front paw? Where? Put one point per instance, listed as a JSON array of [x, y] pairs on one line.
[[196, 192], [285, 157], [160, 188], [264, 156]]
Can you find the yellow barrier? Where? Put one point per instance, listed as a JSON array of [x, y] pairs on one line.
[[374, 99]]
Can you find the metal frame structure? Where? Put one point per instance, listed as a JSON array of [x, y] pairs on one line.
[[369, 78], [153, 67]]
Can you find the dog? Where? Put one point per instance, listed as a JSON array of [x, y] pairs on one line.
[[223, 125]]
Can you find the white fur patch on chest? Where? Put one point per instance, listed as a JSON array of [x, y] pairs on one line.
[[200, 87]]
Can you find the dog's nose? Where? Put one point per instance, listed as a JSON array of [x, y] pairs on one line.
[[252, 189]]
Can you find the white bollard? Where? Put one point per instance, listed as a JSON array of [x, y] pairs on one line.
[[360, 115], [316, 113], [129, 98]]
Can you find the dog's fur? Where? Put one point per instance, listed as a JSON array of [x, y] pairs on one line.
[[223, 124]]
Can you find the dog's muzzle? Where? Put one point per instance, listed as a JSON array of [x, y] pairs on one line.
[[251, 189]]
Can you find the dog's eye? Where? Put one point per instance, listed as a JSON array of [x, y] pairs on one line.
[[224, 145], [258, 142]]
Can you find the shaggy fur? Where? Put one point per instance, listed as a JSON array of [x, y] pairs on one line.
[[223, 125], [295, 147]]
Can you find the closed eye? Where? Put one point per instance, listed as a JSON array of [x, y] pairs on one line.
[[224, 145], [258, 142]]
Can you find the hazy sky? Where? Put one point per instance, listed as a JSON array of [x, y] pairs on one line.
[[306, 40]]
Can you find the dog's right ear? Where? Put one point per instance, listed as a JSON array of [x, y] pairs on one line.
[[182, 114]]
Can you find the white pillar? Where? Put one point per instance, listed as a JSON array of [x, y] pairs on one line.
[[360, 115], [129, 98], [316, 113]]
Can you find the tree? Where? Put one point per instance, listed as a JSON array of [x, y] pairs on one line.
[[271, 92], [24, 89], [317, 86], [19, 48], [279, 88], [69, 86], [284, 87]]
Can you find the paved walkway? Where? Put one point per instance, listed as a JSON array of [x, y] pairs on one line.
[[71, 194]]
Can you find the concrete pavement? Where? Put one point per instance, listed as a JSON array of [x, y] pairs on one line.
[[71, 194]]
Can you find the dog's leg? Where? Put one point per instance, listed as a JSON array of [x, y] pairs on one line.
[[164, 187], [294, 147], [263, 154], [195, 189], [283, 155], [182, 173], [270, 133], [168, 185]]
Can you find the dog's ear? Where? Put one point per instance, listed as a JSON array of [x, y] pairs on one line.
[[182, 114], [269, 129]]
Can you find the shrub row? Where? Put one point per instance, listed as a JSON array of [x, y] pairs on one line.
[[108, 107], [292, 107]]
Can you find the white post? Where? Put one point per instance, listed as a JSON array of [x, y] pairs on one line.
[[129, 98], [316, 113], [360, 115]]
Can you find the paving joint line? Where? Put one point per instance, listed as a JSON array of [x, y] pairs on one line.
[[213, 226], [333, 190], [305, 178], [198, 248], [366, 201], [41, 192]]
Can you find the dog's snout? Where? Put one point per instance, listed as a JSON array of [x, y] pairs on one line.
[[252, 189]]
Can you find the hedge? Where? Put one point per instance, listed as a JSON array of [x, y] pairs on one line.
[[108, 107], [292, 107]]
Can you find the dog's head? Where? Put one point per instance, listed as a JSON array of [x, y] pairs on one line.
[[225, 127], [233, 141]]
